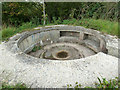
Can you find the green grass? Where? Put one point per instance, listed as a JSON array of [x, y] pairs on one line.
[[10, 31], [101, 25], [104, 26]]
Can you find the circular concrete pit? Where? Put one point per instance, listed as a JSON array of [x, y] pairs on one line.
[[54, 56], [46, 44], [62, 54]]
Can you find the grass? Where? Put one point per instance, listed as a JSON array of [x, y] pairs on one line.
[[10, 31], [101, 25], [104, 26]]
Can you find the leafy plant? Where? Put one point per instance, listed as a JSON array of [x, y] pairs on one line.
[[107, 84]]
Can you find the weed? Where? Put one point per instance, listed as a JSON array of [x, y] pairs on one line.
[[107, 84], [36, 48], [102, 84]]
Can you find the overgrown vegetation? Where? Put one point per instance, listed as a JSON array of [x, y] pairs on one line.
[[104, 26], [22, 16], [15, 13]]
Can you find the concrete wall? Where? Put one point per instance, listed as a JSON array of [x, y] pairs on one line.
[[44, 36], [27, 42]]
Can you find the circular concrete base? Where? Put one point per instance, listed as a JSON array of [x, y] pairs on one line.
[[16, 67]]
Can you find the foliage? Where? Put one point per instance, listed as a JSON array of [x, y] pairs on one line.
[[56, 21], [102, 84], [80, 10], [15, 13], [107, 84]]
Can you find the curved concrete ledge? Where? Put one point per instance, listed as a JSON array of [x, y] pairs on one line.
[[70, 34]]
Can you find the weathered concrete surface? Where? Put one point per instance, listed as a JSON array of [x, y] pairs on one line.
[[16, 66], [56, 74], [54, 33], [76, 51], [90, 39], [112, 45]]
